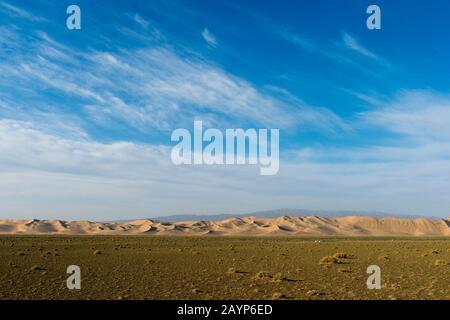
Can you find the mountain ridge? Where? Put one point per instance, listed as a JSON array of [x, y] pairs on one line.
[[286, 212]]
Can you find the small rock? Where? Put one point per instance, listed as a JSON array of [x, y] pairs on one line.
[[36, 268], [278, 295]]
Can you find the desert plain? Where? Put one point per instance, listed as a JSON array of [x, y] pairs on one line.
[[195, 267]]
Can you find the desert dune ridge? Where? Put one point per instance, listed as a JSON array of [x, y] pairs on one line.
[[247, 226]]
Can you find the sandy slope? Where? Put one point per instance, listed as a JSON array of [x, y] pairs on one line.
[[249, 226]]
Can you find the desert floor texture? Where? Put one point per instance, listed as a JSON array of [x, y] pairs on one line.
[[160, 267]]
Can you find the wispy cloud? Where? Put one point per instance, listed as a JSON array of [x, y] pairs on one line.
[[373, 99], [209, 37], [337, 51], [141, 21], [352, 44], [158, 88], [299, 40], [420, 114], [18, 12]]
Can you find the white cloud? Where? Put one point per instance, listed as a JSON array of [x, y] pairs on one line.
[[155, 88], [45, 174], [354, 45], [299, 40], [419, 115], [141, 21], [337, 51], [18, 12], [372, 99], [209, 37], [405, 170], [27, 145]]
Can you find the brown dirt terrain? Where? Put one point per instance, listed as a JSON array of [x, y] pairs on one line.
[[144, 267]]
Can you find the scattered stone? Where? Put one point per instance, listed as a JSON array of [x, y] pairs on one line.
[[278, 296], [36, 268], [313, 293]]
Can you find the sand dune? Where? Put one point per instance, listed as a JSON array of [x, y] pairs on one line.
[[248, 226]]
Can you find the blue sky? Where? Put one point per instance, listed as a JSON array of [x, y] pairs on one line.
[[86, 115]]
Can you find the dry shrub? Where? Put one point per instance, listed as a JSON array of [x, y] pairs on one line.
[[341, 255], [440, 262], [329, 260], [232, 270], [262, 275], [279, 277]]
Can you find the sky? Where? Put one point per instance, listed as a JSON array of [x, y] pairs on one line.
[[86, 115]]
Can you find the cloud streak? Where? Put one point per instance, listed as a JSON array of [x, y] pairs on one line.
[[18, 12], [158, 89], [351, 43], [209, 37], [420, 115], [336, 51]]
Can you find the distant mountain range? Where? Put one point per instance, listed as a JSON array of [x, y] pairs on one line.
[[283, 212]]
